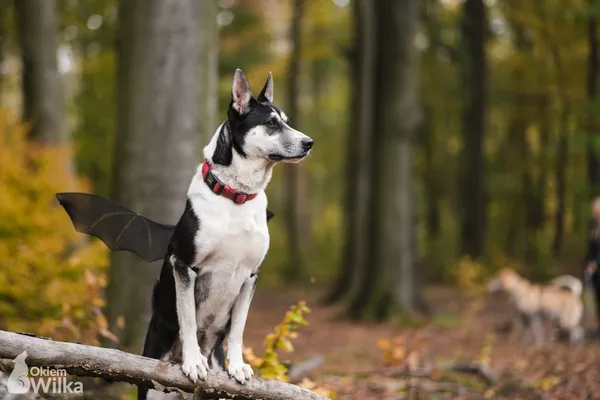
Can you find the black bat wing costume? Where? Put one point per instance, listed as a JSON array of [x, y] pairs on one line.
[[118, 227]]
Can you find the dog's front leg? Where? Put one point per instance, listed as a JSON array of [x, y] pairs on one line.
[[236, 367], [194, 364]]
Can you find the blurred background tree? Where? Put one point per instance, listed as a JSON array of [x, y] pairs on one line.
[[42, 87], [474, 79], [443, 129], [158, 85]]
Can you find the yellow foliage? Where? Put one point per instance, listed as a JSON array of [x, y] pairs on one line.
[[269, 366], [396, 352], [50, 279], [312, 386], [471, 276], [393, 351], [485, 356], [547, 383]]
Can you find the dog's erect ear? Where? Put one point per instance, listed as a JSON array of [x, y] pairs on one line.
[[267, 92], [240, 92]]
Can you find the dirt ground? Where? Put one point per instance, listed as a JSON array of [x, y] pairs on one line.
[[420, 363]]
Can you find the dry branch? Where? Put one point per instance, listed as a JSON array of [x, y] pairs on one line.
[[475, 368], [485, 373], [303, 368], [115, 365]]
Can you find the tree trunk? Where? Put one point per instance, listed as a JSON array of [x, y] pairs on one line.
[[418, 300], [561, 179], [209, 65], [593, 165], [536, 208], [433, 192], [6, 12], [517, 157], [474, 78], [562, 150], [156, 147], [43, 97], [297, 213], [389, 270], [516, 161], [358, 169]]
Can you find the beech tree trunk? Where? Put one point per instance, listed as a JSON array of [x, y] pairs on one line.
[[358, 163], [6, 13], [538, 207], [519, 241], [297, 214], [474, 77], [562, 149], [433, 191], [157, 148], [209, 67], [593, 164], [388, 275], [43, 96]]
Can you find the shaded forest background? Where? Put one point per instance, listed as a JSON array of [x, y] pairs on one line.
[[452, 138]]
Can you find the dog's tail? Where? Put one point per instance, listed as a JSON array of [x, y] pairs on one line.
[[568, 282]]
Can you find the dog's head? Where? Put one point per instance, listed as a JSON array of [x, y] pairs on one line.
[[504, 281], [258, 129]]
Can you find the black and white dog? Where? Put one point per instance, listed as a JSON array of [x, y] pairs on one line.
[[210, 270]]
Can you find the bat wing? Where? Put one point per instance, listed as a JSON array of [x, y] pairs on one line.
[[118, 227], [269, 215]]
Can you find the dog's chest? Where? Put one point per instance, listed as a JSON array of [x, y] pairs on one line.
[[239, 241], [230, 248]]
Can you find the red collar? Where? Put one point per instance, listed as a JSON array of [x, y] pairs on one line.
[[219, 187]]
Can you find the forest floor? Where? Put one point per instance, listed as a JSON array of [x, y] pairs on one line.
[[418, 361]]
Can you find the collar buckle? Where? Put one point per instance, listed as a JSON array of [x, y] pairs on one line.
[[240, 198]]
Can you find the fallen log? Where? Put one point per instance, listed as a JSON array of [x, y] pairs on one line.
[[116, 365]]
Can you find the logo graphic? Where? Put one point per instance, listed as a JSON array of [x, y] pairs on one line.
[[18, 382], [39, 379]]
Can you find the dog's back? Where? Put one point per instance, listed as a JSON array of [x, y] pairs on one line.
[[561, 299], [568, 282]]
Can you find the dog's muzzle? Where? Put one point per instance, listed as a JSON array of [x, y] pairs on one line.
[[307, 144]]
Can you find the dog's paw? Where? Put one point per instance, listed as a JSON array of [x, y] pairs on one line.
[[240, 371], [195, 365]]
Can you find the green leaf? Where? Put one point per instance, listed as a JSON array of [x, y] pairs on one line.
[[285, 345], [299, 319]]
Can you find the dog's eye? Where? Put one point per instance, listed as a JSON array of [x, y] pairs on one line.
[[272, 123]]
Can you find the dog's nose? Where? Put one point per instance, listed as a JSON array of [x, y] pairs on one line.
[[307, 144]]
